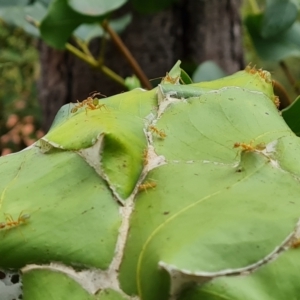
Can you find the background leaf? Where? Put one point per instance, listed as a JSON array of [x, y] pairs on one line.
[[277, 48], [60, 22], [16, 16], [208, 71], [87, 32], [132, 82], [5, 3], [95, 7], [291, 115], [279, 15]]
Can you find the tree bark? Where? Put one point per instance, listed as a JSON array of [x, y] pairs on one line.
[[191, 30], [214, 33]]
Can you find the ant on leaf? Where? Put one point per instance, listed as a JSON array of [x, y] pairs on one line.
[[248, 147], [11, 223], [169, 79], [145, 157], [147, 185], [90, 102], [158, 132]]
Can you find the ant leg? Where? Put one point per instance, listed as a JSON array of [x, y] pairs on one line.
[[20, 216], [102, 105], [9, 218]]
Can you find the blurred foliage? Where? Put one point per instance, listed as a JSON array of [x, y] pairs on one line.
[[19, 110], [271, 35], [267, 47]]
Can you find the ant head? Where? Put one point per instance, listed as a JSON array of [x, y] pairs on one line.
[[25, 217]]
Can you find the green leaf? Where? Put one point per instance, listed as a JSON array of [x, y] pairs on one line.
[[121, 23], [53, 230], [267, 283], [109, 294], [208, 71], [16, 16], [132, 82], [60, 22], [153, 192], [186, 79], [250, 78], [243, 201], [278, 17], [122, 131], [45, 2], [5, 3], [95, 7], [176, 70], [151, 6], [279, 47], [174, 76], [87, 32], [291, 116], [48, 285], [182, 91], [296, 2]]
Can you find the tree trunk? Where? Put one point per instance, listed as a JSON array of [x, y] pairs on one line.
[[191, 30], [214, 33]]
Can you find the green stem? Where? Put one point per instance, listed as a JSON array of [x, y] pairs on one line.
[[83, 45], [86, 58], [254, 6], [95, 64], [127, 54]]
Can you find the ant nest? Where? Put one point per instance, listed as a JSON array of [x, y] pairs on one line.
[[10, 285]]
